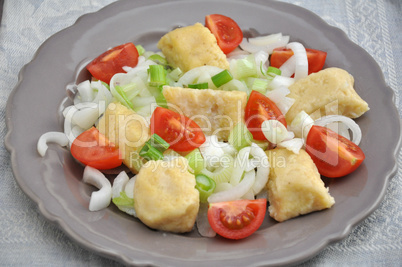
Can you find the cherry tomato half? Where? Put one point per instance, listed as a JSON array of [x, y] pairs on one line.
[[93, 149], [260, 108], [112, 61], [315, 58], [227, 32], [182, 133], [237, 219], [333, 154]]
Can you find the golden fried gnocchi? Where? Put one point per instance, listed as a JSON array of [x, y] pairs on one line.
[[221, 110], [327, 92], [192, 46], [127, 130], [165, 197], [294, 185]]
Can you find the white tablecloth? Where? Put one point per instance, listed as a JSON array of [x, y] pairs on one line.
[[28, 239]]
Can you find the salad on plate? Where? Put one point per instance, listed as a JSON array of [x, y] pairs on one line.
[[214, 131]]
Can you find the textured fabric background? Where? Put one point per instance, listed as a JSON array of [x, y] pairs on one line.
[[28, 239]]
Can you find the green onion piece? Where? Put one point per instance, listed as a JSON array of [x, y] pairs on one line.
[[240, 136], [272, 71], [123, 97], [140, 49], [157, 75], [158, 59], [106, 85], [123, 201], [157, 142], [150, 153], [221, 78], [205, 186], [198, 85], [246, 67], [260, 85], [176, 74], [195, 160]]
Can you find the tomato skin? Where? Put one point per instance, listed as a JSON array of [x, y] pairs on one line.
[[258, 109], [182, 133], [315, 58], [223, 217], [334, 155], [93, 149], [227, 32], [112, 61]]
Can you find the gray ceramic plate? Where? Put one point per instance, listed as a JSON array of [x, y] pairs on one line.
[[54, 182]]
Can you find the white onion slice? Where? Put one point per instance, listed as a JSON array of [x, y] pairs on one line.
[[129, 188], [281, 81], [301, 124], [119, 184], [237, 191], [99, 199], [274, 131], [351, 124], [301, 69], [203, 226], [289, 67], [262, 174], [263, 43], [279, 97], [190, 76], [51, 137], [293, 145], [265, 40]]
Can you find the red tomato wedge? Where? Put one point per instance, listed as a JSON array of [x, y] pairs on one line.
[[93, 149], [316, 58], [112, 61], [260, 108], [237, 219], [333, 154], [182, 133], [227, 32]]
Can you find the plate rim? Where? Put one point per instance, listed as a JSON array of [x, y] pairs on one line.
[[122, 258]]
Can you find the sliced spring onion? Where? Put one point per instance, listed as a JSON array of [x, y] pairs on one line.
[[259, 85], [150, 153], [198, 85], [102, 198], [351, 124], [157, 75], [51, 137], [195, 161], [240, 136], [205, 186], [221, 78], [140, 49], [245, 67], [272, 71], [158, 59], [274, 131], [123, 97], [157, 142], [176, 74]]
